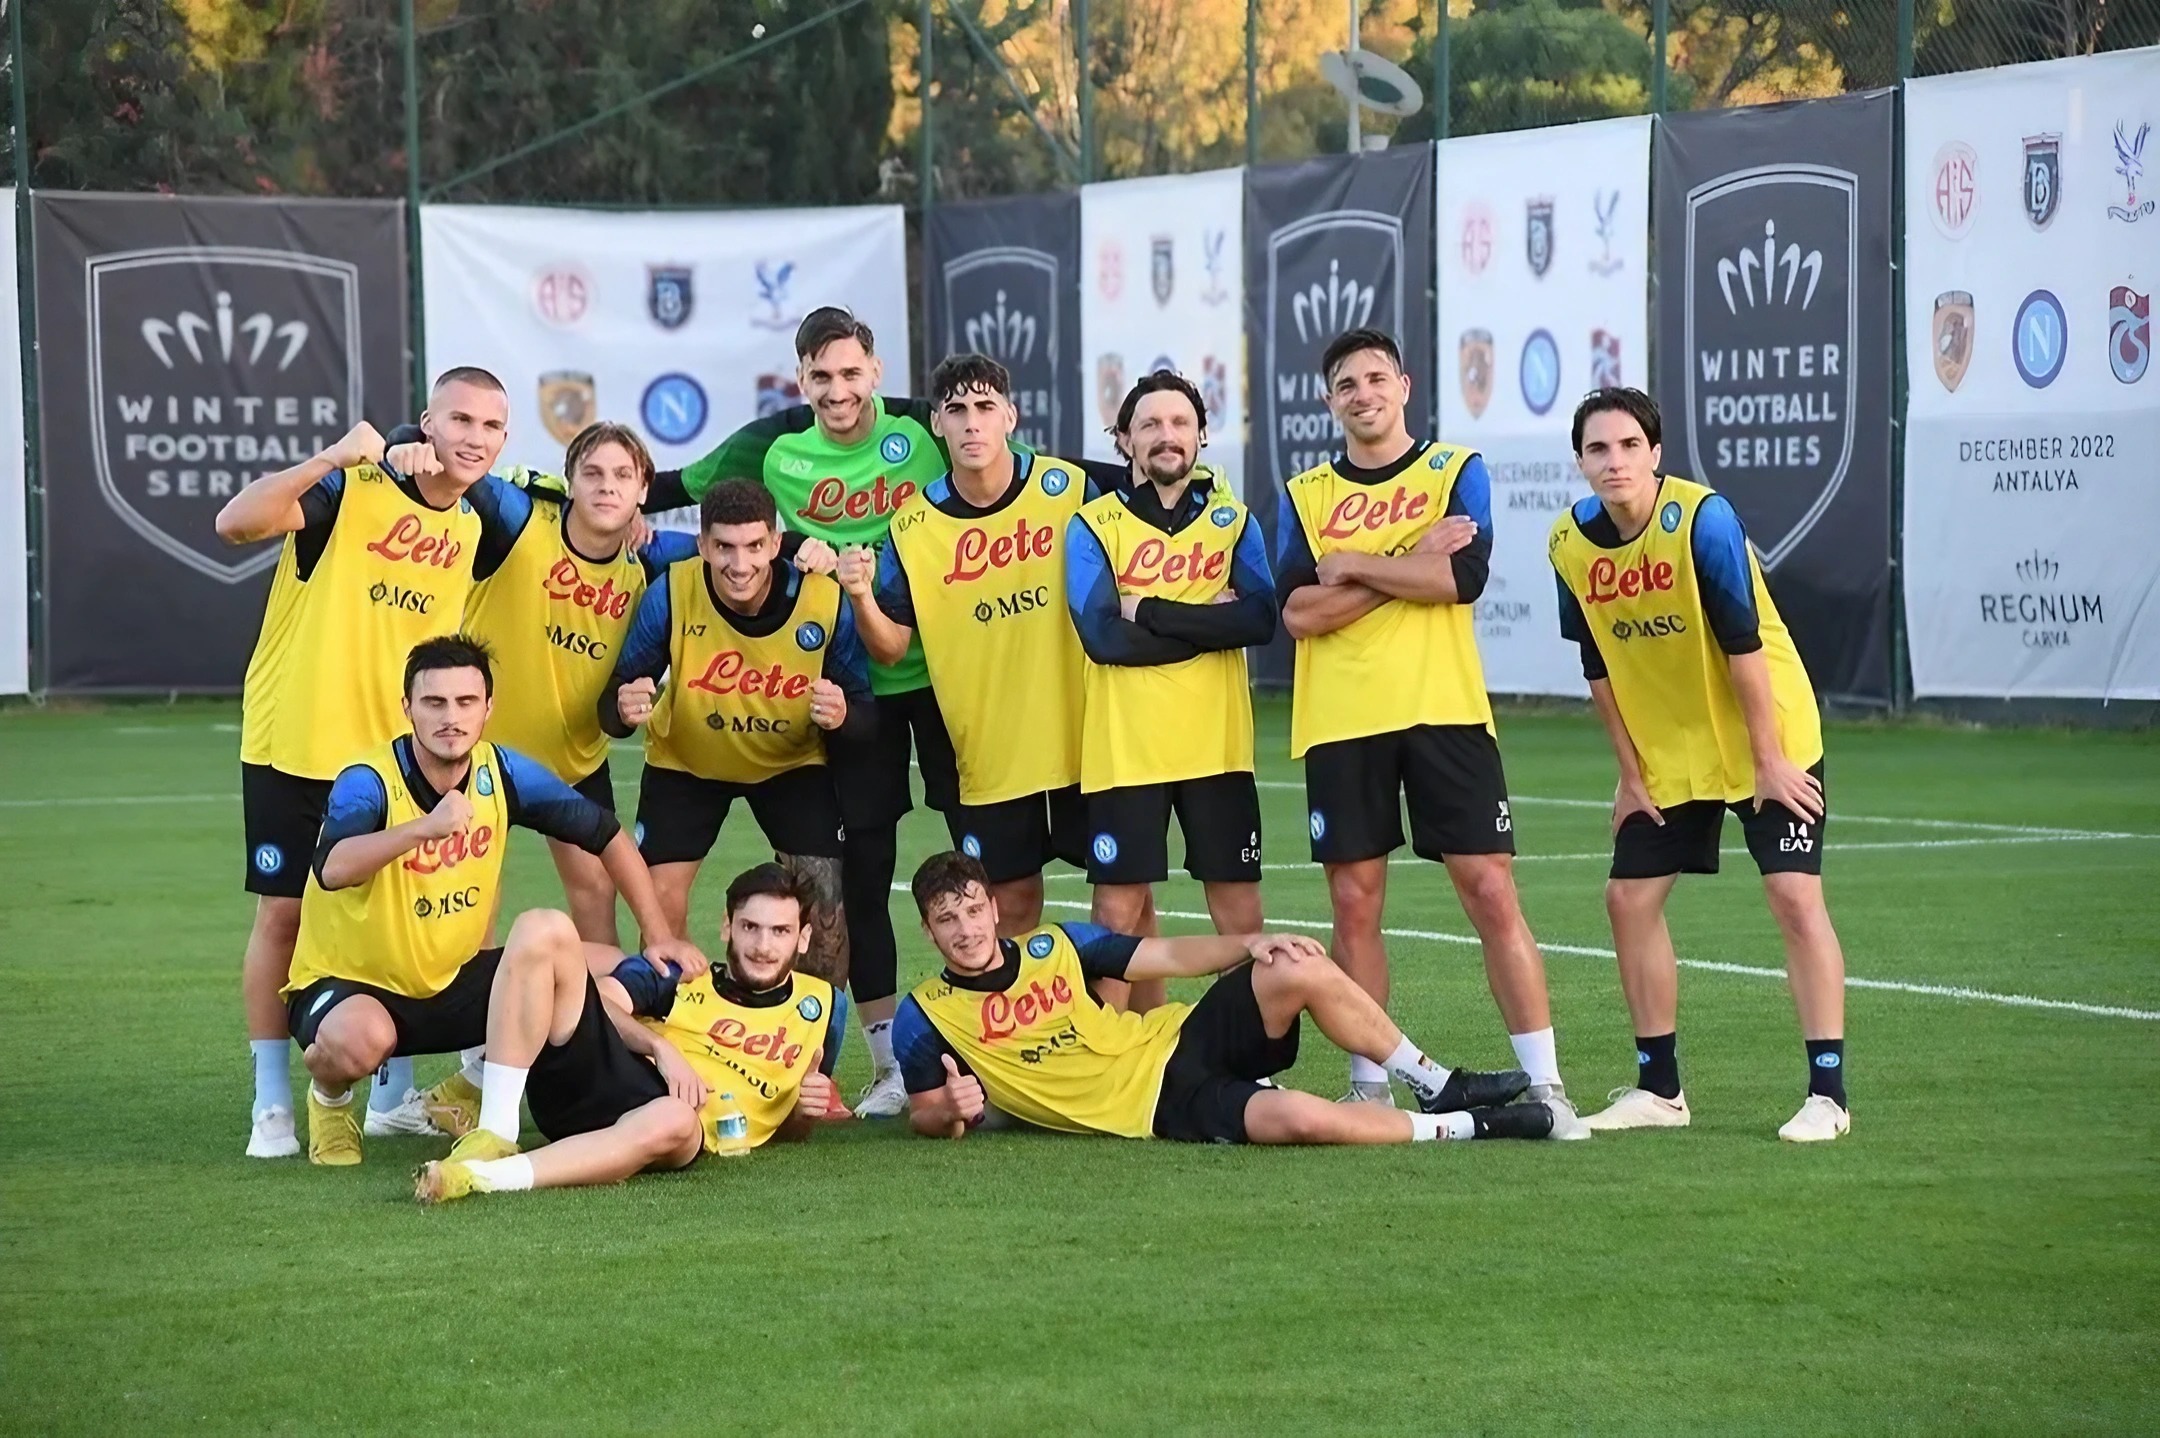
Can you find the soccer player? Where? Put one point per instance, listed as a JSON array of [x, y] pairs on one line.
[[403, 886], [752, 1037], [762, 664], [1013, 1022], [1168, 584], [839, 467], [976, 565], [1382, 554], [1708, 707], [374, 561]]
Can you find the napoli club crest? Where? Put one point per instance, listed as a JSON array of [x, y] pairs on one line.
[[2043, 178], [1474, 362], [1538, 236], [2039, 339], [668, 295], [1951, 337]]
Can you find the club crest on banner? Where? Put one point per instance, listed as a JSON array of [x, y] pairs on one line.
[[1474, 365], [668, 295], [209, 367], [2129, 333], [1109, 387], [1606, 204], [1539, 371], [1954, 193], [568, 403], [2043, 178], [1604, 360], [1162, 272], [1326, 273], [1214, 387], [2130, 164], [2039, 339], [775, 309], [776, 392], [1003, 302], [1951, 337], [673, 409], [1476, 241], [1538, 235], [1110, 270], [1770, 320], [1211, 259], [561, 294]]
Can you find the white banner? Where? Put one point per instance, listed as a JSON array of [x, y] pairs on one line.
[[1162, 286], [1543, 245], [2032, 440], [680, 323], [14, 547]]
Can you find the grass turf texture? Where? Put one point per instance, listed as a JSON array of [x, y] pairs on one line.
[[1980, 1254]]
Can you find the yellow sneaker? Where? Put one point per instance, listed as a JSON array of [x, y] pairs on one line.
[[442, 1181], [333, 1134], [453, 1105], [480, 1145]]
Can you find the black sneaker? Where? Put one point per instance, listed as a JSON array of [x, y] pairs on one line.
[[1515, 1120], [1467, 1089]]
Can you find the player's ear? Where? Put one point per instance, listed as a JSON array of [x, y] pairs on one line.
[[1657, 459], [877, 373]]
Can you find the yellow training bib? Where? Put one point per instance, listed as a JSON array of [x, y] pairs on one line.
[[325, 680], [737, 706], [1048, 1053], [989, 597], [1668, 674], [1159, 723], [412, 924], [1404, 664], [758, 1053]]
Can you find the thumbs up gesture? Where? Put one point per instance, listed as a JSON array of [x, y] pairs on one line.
[[819, 1096], [965, 1093]]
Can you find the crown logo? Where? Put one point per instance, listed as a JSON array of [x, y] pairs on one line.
[[1323, 311], [1006, 335], [2037, 566], [1764, 266], [190, 328]]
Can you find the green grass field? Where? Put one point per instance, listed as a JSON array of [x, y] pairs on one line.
[[1982, 1254]]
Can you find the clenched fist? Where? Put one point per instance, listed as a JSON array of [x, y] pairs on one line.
[[452, 812], [361, 445], [828, 705], [857, 570], [815, 556], [414, 460], [634, 701]]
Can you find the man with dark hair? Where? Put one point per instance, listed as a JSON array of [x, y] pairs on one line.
[[1168, 585], [737, 1058], [977, 565], [406, 877], [840, 465], [1016, 1023], [1383, 551], [763, 664], [1708, 707], [375, 559]]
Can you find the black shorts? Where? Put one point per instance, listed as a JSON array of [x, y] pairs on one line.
[[1781, 841], [590, 1081], [871, 774], [442, 1023], [598, 786], [1449, 773], [1222, 1053], [282, 815], [1129, 831], [1019, 837], [679, 815]]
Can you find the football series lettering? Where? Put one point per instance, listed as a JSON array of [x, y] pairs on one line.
[[1003, 1015], [730, 673], [976, 553], [408, 540]]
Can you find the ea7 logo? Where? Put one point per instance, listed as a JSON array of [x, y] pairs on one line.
[[1505, 823], [1797, 840]]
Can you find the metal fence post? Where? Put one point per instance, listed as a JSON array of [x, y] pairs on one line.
[[1252, 82], [926, 184], [1900, 378], [1659, 17], [26, 342], [1441, 70], [1085, 89], [415, 303], [1904, 39]]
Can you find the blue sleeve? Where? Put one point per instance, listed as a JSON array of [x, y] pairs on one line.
[[318, 516], [1724, 577], [1091, 597], [537, 800], [651, 987], [1104, 953], [667, 546], [1576, 626], [358, 804], [1295, 566], [920, 1050], [644, 654], [847, 664], [1472, 498], [891, 591], [504, 510]]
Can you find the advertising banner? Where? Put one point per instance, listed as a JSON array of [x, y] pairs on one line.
[[1004, 281]]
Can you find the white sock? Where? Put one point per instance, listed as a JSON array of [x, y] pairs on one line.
[[1409, 1064], [471, 1060], [1364, 1070], [391, 1082], [1535, 1056], [879, 1037], [273, 1079], [502, 1089], [504, 1175], [315, 1090], [1425, 1127]]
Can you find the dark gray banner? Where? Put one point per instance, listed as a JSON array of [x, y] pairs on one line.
[[1005, 282], [1774, 360], [186, 347]]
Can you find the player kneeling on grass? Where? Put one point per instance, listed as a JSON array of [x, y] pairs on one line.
[[1015, 1024], [736, 1055]]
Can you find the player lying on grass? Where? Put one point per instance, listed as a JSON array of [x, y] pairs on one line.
[[404, 885], [719, 1062], [1014, 1023]]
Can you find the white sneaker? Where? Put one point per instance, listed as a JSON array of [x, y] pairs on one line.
[[886, 1097], [1819, 1120], [410, 1116], [1566, 1123], [1638, 1108], [273, 1135], [1382, 1093]]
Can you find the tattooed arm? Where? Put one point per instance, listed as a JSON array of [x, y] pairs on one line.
[[827, 958]]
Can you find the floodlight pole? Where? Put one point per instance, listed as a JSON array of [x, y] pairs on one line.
[[1252, 82], [26, 346], [416, 304], [1441, 71], [1357, 137], [1086, 90]]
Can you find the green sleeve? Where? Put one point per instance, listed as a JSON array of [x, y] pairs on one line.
[[742, 454]]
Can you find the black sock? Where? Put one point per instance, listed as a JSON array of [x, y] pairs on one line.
[[1657, 1066], [1826, 1069]]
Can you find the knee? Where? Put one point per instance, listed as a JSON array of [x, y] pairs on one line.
[[277, 921], [541, 936], [351, 1046], [1797, 907], [1356, 893], [1627, 900], [675, 1134], [1488, 892]]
